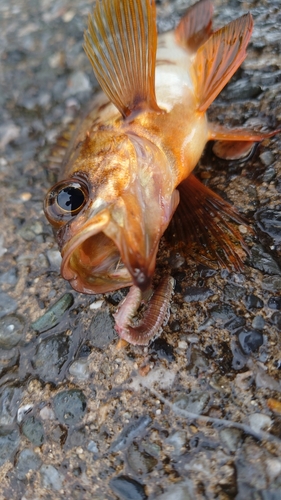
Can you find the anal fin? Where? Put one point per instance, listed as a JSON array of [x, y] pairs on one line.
[[236, 143], [206, 226]]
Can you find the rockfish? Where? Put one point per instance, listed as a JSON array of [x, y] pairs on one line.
[[127, 171]]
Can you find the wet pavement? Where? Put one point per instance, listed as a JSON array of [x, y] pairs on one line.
[[195, 415]]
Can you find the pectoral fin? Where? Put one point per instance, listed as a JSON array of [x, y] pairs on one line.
[[196, 25], [205, 224], [218, 59], [121, 44]]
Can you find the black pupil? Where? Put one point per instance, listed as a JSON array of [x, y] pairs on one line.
[[70, 198]]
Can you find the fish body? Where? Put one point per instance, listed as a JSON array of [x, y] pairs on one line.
[[127, 169]]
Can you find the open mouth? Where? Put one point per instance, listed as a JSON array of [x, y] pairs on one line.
[[92, 263]]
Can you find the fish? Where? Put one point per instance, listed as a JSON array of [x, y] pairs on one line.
[[127, 172]]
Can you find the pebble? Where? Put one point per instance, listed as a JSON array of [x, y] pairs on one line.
[[269, 221], [177, 439], [250, 340], [140, 461], [80, 369], [253, 302], [127, 488], [263, 261], [54, 314], [271, 283], [27, 460], [276, 320], [47, 413], [70, 406], [7, 304], [274, 303], [222, 312], [96, 305], [92, 447], [9, 402], [233, 292], [239, 359], [101, 332], [33, 429], [197, 294], [231, 438], [9, 442], [273, 466], [258, 322], [162, 349], [51, 478], [267, 158], [55, 259], [23, 411], [9, 277], [259, 421], [131, 431], [194, 402], [11, 329], [52, 356]]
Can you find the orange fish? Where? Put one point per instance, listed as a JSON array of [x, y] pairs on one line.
[[128, 167]]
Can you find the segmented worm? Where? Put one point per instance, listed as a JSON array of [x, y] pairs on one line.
[[154, 317]]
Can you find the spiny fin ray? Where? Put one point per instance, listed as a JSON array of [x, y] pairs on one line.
[[121, 44]]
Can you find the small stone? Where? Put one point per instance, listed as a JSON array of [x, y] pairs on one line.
[[127, 488], [162, 349], [253, 302], [259, 421], [101, 332], [54, 314], [7, 304], [180, 491], [55, 259], [274, 303], [92, 447], [96, 305], [51, 357], [51, 478], [271, 283], [267, 158], [23, 411], [26, 461], [194, 402], [9, 442], [80, 369], [182, 344], [250, 340], [177, 440], [258, 322], [9, 402], [273, 466], [33, 429], [276, 320], [47, 413], [222, 312], [70, 406], [231, 438], [11, 329], [269, 221], [233, 292], [140, 461], [9, 277], [264, 261], [197, 294]]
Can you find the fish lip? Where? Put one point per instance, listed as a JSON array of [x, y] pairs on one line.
[[108, 282]]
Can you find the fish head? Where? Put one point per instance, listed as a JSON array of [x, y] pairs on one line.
[[111, 211]]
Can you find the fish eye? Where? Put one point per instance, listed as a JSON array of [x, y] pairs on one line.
[[65, 200]]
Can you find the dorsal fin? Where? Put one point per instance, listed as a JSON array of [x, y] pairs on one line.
[[121, 44], [218, 59], [196, 25]]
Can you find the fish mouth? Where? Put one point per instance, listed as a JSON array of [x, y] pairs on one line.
[[92, 262]]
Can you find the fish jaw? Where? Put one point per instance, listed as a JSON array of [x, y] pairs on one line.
[[116, 247]]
